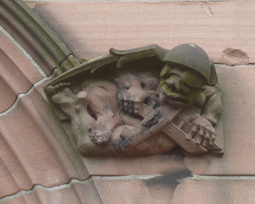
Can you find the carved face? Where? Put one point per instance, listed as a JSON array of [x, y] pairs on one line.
[[180, 86]]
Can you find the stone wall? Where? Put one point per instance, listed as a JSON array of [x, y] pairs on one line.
[[39, 163]]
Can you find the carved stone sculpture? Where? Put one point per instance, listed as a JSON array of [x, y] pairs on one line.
[[140, 102]]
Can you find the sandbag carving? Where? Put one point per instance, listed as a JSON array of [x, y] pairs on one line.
[[142, 101]]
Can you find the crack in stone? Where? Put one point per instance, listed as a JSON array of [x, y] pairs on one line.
[[126, 177], [19, 96], [35, 187], [73, 181], [207, 8]]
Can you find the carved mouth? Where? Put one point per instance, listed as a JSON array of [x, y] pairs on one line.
[[175, 99]]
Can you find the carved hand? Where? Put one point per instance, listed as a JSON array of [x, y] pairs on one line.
[[130, 100], [203, 131]]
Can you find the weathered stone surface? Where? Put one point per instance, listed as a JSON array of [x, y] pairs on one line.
[[30, 31], [166, 163], [75, 193], [135, 189], [215, 191], [234, 57], [18, 74], [19, 59], [34, 149], [238, 121], [91, 28]]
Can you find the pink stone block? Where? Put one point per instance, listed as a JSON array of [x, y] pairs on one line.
[[20, 60], [91, 28], [75, 193], [238, 125], [18, 74], [215, 191], [127, 190], [156, 164], [34, 148]]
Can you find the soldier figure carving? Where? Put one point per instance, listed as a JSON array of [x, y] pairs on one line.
[[155, 100]]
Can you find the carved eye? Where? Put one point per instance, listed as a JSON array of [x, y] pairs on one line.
[[122, 84], [165, 70], [143, 84]]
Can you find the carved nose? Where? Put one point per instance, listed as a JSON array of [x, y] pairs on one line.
[[174, 82]]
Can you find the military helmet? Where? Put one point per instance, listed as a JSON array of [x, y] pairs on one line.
[[194, 57]]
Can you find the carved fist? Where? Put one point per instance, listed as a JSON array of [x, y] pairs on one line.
[[131, 96], [203, 131], [99, 137], [130, 100]]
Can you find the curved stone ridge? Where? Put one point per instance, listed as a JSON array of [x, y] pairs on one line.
[[34, 149], [17, 73], [33, 34]]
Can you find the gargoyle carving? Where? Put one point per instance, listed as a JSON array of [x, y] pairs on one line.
[[140, 102]]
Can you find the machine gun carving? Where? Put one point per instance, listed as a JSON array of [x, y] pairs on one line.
[[176, 127]]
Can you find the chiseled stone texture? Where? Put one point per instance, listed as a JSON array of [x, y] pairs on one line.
[[215, 191], [18, 74], [91, 28], [158, 164], [34, 149], [135, 189], [165, 190], [73, 193], [238, 119]]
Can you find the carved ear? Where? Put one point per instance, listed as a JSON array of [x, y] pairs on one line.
[[150, 84], [122, 84]]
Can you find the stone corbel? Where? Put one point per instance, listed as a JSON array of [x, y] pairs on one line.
[[122, 104]]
